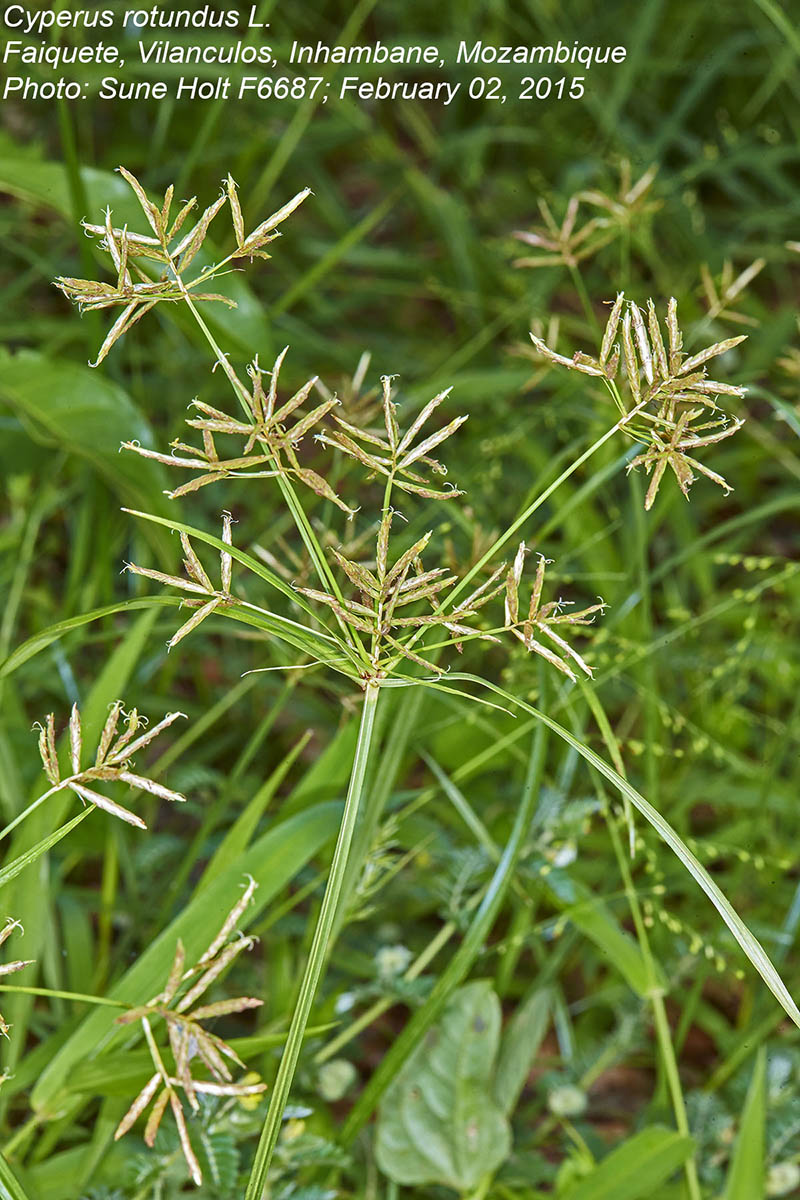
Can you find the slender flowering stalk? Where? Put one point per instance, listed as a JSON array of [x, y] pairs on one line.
[[317, 953]]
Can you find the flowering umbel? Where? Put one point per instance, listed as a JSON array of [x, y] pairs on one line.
[[188, 1038], [671, 404], [151, 268], [542, 618], [269, 439]]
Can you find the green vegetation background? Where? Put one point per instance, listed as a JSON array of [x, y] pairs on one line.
[[405, 251]]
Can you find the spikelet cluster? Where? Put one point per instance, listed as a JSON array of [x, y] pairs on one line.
[[112, 761], [571, 243], [151, 267], [203, 596], [542, 618], [393, 455], [390, 598], [269, 433], [666, 399], [189, 1041], [10, 968], [720, 293]]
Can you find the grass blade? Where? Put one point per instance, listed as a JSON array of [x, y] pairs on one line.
[[748, 942]]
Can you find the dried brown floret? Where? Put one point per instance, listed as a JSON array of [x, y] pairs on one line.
[[387, 592], [671, 407], [720, 294], [571, 243], [10, 968], [112, 762], [270, 438], [542, 618], [197, 582], [390, 455], [189, 1040]]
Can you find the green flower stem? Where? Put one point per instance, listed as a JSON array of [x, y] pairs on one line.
[[539, 501], [26, 812], [310, 541], [660, 1020], [317, 954]]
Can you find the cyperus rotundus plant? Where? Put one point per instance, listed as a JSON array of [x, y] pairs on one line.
[[391, 619]]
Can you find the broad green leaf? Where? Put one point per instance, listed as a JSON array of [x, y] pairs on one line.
[[748, 942], [631, 1171], [57, 1176], [19, 455], [745, 1179], [438, 1122], [272, 861], [519, 1048], [86, 414]]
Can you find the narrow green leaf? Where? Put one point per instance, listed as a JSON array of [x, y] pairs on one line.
[[585, 910], [748, 942], [53, 633], [635, 1168], [745, 1179], [10, 1186], [588, 913], [520, 1046], [12, 869]]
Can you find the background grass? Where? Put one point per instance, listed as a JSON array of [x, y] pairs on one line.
[[405, 250]]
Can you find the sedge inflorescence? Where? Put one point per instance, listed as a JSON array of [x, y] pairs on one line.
[[399, 601], [173, 1080], [665, 397]]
